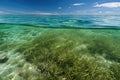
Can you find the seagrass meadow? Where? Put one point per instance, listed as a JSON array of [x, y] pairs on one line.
[[34, 52]]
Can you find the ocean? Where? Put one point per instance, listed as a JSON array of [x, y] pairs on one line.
[[82, 21], [59, 47]]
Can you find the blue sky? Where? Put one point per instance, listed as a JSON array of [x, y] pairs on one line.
[[48, 7]]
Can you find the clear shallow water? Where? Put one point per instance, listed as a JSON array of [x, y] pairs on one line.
[[26, 39], [64, 21]]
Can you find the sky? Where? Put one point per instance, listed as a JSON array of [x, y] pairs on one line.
[[59, 7]]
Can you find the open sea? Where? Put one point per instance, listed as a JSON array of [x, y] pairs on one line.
[[59, 47]]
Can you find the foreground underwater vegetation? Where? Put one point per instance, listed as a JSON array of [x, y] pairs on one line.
[[69, 54], [73, 55]]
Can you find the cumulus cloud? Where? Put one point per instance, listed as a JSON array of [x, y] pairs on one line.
[[78, 4], [108, 5]]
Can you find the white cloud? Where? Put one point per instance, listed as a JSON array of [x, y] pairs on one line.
[[28, 12], [43, 13], [3, 12], [78, 4], [108, 5], [59, 7]]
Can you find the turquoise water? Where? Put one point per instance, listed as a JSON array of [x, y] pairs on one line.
[[64, 21], [26, 39]]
